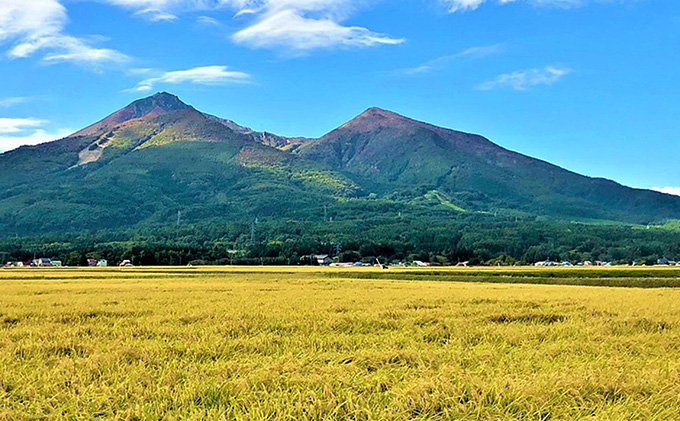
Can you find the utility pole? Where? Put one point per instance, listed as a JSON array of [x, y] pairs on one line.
[[179, 217], [252, 232], [325, 213]]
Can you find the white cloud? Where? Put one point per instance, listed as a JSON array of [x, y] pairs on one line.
[[465, 5], [441, 62], [17, 125], [75, 50], [159, 10], [15, 132], [156, 16], [207, 75], [10, 102], [7, 143], [305, 25], [35, 25], [675, 191], [207, 20], [524, 79], [288, 29]]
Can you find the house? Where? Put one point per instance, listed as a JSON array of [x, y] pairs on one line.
[[92, 262], [102, 263], [464, 264], [420, 263], [125, 263], [56, 263], [14, 265], [42, 262], [546, 263], [323, 259]]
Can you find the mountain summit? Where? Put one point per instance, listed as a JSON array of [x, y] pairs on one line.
[[157, 155], [159, 104]]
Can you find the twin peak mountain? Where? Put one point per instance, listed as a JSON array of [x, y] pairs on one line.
[[158, 155]]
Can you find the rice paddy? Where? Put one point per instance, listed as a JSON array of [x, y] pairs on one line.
[[336, 344]]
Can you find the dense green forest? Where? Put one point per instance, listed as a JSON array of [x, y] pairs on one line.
[[477, 238]]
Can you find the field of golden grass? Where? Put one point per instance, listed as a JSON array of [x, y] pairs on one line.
[[312, 343]]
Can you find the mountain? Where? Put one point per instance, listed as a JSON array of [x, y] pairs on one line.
[[394, 153], [157, 156]]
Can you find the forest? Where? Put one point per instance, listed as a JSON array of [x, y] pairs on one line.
[[480, 239]]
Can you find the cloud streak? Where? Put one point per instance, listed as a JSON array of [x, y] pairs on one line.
[[442, 62], [206, 75], [17, 125], [468, 5], [10, 102], [525, 79]]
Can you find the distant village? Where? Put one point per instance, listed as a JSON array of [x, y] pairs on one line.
[[44, 262], [327, 260]]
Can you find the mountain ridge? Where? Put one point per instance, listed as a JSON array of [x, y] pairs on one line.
[[159, 154]]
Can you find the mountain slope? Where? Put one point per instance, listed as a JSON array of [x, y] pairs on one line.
[[147, 161], [159, 104], [392, 152], [157, 156]]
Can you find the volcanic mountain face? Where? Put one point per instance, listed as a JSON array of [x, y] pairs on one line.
[[158, 155], [389, 153], [160, 104]]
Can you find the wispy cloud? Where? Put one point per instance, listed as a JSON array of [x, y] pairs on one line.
[[163, 10], [207, 20], [675, 191], [442, 62], [38, 25], [156, 16], [17, 125], [206, 75], [291, 30], [525, 79], [466, 5], [15, 132], [10, 102]]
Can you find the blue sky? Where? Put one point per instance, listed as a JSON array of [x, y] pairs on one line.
[[590, 85]]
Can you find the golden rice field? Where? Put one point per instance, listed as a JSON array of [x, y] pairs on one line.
[[334, 344]]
